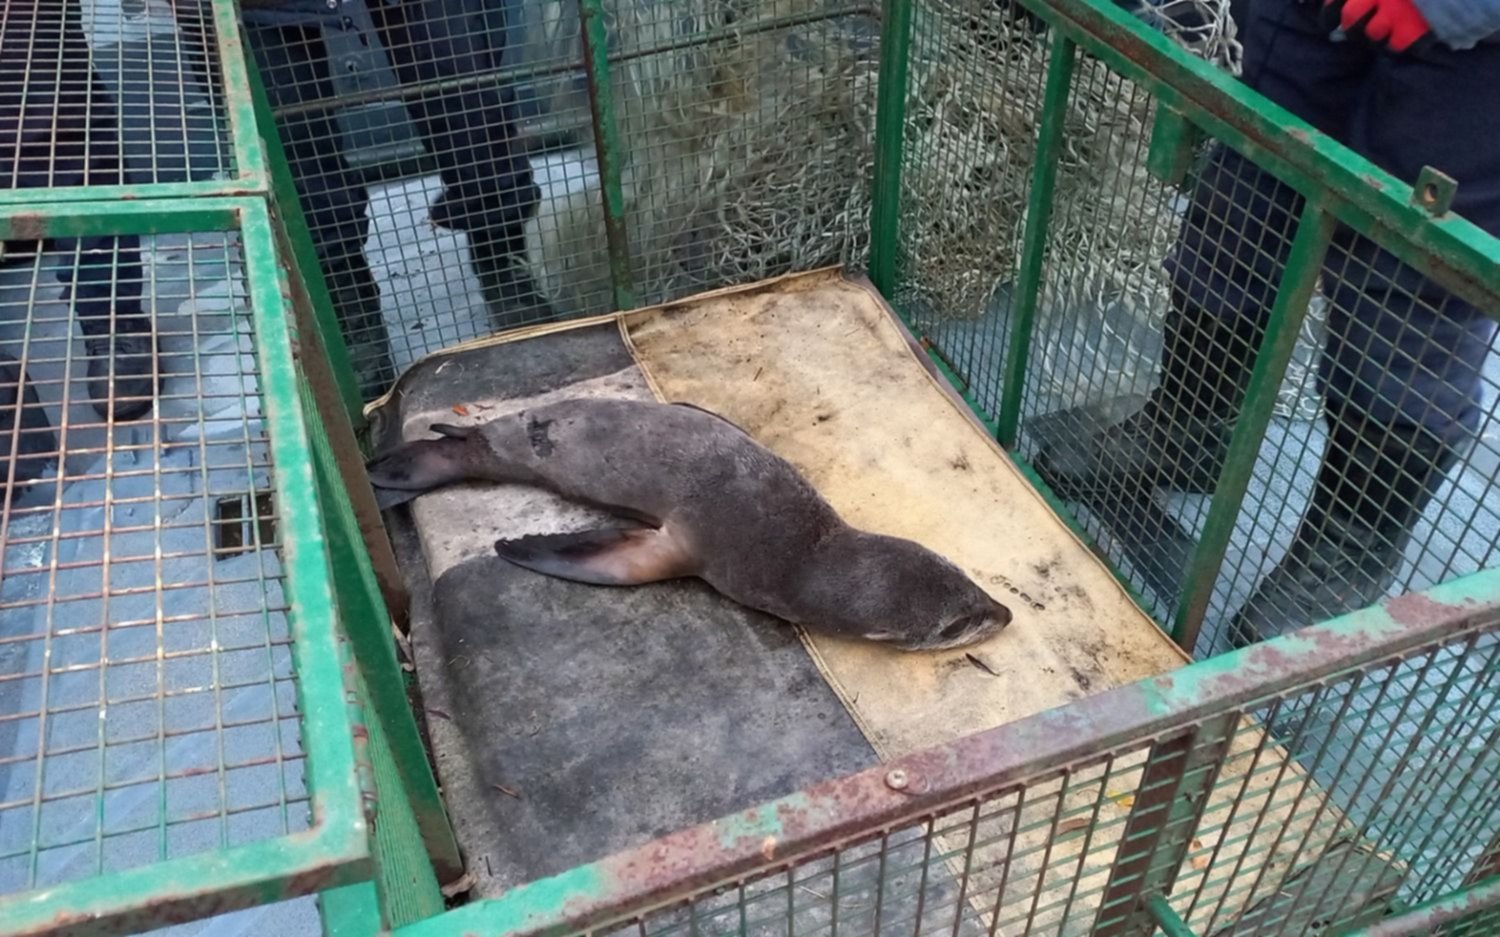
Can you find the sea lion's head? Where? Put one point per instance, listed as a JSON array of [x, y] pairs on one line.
[[897, 592]]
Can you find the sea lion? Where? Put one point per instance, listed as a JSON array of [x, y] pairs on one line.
[[715, 504]]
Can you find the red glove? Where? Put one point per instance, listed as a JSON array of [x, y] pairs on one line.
[[1397, 23]]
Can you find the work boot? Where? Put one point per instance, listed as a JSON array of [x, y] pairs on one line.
[[121, 353], [1176, 437], [510, 292], [122, 371], [356, 300], [1373, 485]]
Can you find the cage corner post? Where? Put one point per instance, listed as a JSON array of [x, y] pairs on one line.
[[890, 126]]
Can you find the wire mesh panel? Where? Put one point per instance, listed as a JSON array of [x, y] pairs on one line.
[[733, 142], [112, 93], [1203, 801], [165, 617], [1266, 849], [423, 244], [1103, 280], [746, 138]]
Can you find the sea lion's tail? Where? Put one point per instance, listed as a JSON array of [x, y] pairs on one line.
[[414, 468]]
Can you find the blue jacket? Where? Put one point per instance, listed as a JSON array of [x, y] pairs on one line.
[[1462, 24]]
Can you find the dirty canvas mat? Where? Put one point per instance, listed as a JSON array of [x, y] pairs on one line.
[[819, 370], [593, 718]]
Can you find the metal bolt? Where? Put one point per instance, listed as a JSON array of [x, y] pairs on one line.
[[896, 779]]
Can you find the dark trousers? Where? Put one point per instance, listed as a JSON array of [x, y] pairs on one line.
[[488, 188], [1401, 350], [59, 129]]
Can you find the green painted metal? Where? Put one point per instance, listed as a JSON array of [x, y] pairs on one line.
[[336, 849], [1451, 250], [534, 908], [289, 211], [1174, 139], [802, 825], [405, 888], [246, 151], [1169, 921], [246, 128], [352, 911], [36, 220], [184, 191], [1298, 281], [607, 149], [1434, 191], [367, 624], [890, 129], [1034, 246]]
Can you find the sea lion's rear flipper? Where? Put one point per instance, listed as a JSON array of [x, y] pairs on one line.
[[603, 557], [416, 467]]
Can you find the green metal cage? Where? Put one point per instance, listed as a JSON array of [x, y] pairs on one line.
[[1009, 175]]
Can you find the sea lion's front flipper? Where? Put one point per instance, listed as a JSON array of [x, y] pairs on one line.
[[603, 557]]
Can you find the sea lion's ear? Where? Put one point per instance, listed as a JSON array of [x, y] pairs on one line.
[[604, 557]]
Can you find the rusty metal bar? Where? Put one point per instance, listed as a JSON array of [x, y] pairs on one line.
[[1180, 773], [1426, 918], [1488, 865], [862, 806]]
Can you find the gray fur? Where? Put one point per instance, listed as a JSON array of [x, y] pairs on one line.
[[755, 529]]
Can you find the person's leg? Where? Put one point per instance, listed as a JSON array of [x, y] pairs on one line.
[[294, 69], [104, 276], [488, 190], [1401, 373], [1223, 270]]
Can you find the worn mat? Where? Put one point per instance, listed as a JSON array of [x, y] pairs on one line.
[[597, 718]]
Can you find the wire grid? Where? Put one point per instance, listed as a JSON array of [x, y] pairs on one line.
[[1409, 466], [1478, 924], [1105, 299], [106, 92], [747, 132], [401, 128], [975, 102], [146, 686], [1275, 849], [978, 72], [1139, 451], [744, 146]]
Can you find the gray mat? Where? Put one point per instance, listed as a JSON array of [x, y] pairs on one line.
[[593, 719]]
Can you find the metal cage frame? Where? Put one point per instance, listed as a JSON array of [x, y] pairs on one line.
[[335, 850]]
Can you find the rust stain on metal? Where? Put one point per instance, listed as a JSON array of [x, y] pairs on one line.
[[187, 905], [27, 226], [1417, 609]]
